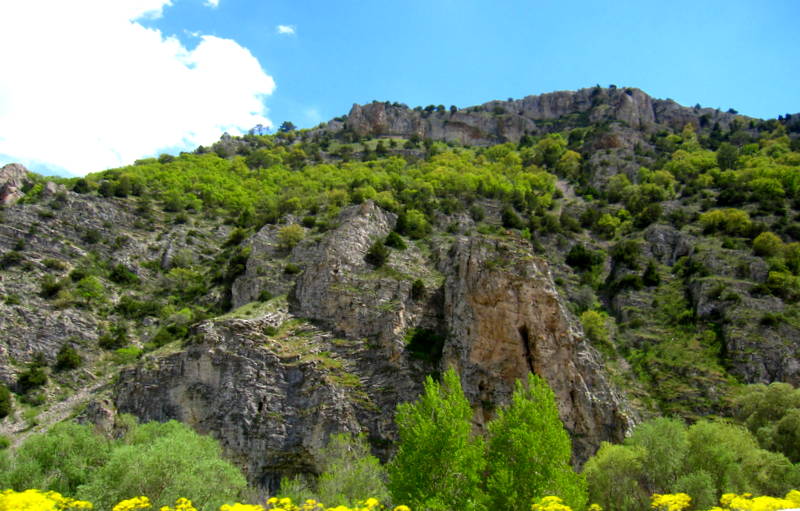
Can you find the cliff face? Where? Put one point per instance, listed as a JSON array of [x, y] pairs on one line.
[[273, 382], [503, 121], [505, 319]]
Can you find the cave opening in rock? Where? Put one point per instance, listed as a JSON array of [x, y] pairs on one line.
[[526, 347]]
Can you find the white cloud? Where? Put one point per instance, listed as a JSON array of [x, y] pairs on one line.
[[286, 29], [86, 88], [212, 3]]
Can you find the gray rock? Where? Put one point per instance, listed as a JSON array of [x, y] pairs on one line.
[[13, 177]]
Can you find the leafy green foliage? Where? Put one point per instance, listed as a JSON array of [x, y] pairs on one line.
[[528, 452], [424, 344], [32, 378], [582, 258], [664, 456], [67, 358], [164, 461], [772, 414], [290, 235], [6, 402], [349, 472], [378, 254], [61, 459], [439, 462], [394, 240]]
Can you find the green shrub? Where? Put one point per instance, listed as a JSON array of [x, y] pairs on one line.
[[413, 223], [165, 462], [127, 355], [651, 277], [61, 459], [510, 218], [54, 264], [290, 235], [67, 358], [767, 244], [377, 255], [582, 258], [115, 338], [626, 253], [596, 328], [477, 213], [394, 240], [292, 269], [6, 403], [30, 379], [121, 275], [349, 471], [132, 308], [10, 258], [50, 286]]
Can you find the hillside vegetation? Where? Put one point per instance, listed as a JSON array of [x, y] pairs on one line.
[[672, 251]]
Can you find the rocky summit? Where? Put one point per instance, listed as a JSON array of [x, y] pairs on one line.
[[270, 290]]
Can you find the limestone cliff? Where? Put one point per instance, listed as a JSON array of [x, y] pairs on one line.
[[271, 385], [502, 121]]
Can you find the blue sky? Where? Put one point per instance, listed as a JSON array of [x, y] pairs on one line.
[[722, 54], [236, 68]]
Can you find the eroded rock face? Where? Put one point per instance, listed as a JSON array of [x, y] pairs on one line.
[[506, 319], [339, 288], [502, 121], [273, 385], [271, 389], [12, 178]]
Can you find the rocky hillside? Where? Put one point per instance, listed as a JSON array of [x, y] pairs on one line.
[[641, 256]]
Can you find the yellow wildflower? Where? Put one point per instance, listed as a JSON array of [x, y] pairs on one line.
[[131, 504], [241, 507], [550, 503], [670, 501]]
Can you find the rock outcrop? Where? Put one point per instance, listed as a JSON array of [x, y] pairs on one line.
[[272, 381], [13, 177], [505, 319], [502, 121]]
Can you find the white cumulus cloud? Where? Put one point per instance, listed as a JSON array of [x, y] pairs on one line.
[[85, 87], [286, 29], [212, 3]]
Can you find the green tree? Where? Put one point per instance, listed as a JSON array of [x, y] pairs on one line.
[[61, 459], [165, 462], [438, 464], [667, 446], [286, 127], [529, 452], [767, 244], [378, 254], [67, 358], [595, 326], [613, 477], [772, 413], [727, 156], [550, 149], [6, 404], [349, 472], [290, 235]]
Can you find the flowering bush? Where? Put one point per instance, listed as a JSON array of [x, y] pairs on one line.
[[746, 502], [37, 500], [670, 502]]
